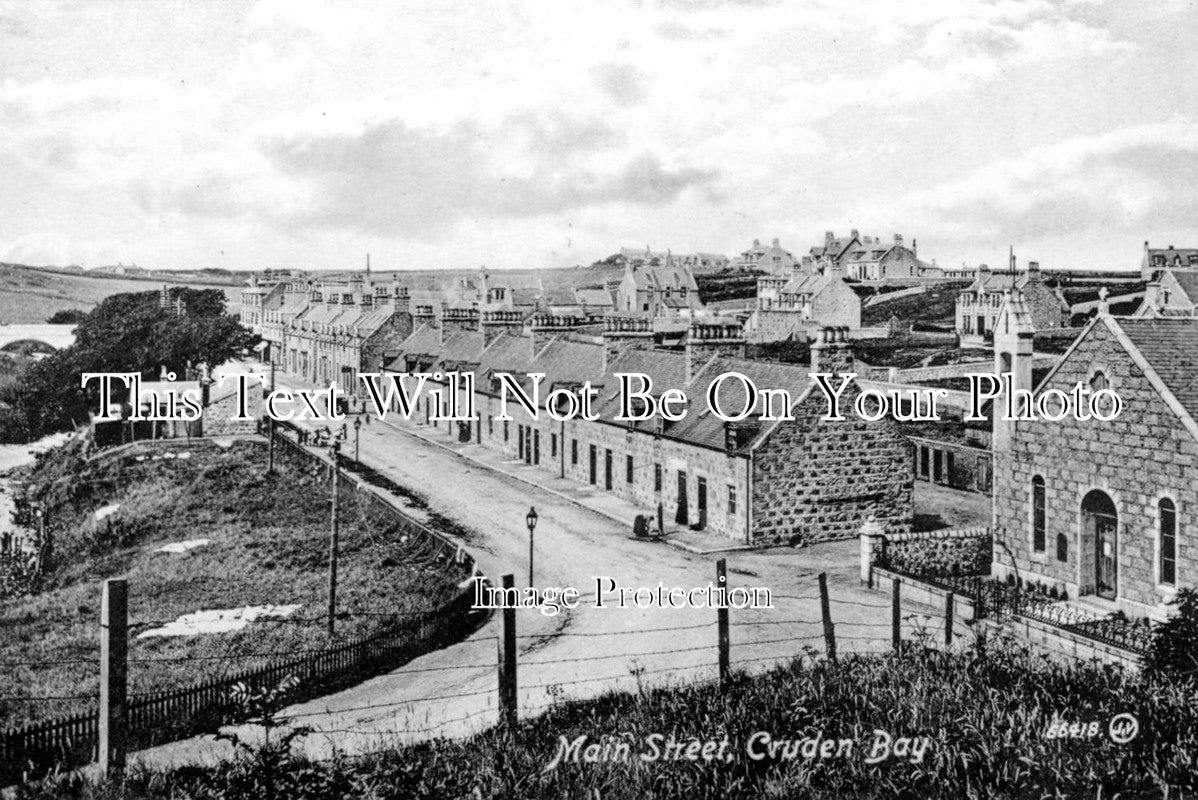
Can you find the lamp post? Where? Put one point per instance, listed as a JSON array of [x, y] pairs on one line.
[[531, 520], [334, 449], [357, 436]]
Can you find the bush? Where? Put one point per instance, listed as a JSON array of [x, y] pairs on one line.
[[1174, 651]]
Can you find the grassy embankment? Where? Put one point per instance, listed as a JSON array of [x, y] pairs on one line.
[[986, 713], [269, 545]]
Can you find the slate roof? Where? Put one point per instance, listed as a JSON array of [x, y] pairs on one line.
[[1170, 346], [594, 297], [1188, 281]]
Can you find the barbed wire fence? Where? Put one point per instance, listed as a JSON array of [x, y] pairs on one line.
[[821, 627]]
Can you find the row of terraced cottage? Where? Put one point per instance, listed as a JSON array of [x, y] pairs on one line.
[[760, 482]]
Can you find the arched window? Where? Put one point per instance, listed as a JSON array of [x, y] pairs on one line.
[[1098, 381], [1168, 542], [1039, 514], [1062, 547]]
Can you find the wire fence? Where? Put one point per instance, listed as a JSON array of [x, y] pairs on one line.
[[161, 716]]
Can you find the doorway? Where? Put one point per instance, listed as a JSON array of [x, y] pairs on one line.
[[1100, 524], [607, 470], [680, 515], [593, 464], [701, 502]]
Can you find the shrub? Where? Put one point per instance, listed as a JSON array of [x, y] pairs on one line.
[[1174, 651]]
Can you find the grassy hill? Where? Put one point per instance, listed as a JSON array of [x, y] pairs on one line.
[[29, 295], [268, 545]]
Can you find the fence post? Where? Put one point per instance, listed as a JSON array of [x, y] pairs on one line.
[[507, 659], [114, 648], [896, 626], [826, 613], [721, 615], [948, 620]]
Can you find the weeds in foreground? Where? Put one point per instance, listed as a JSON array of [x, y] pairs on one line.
[[985, 714]]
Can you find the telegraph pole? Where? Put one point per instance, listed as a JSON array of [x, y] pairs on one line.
[[270, 427], [334, 449]]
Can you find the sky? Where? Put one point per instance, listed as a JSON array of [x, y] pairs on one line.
[[305, 134]]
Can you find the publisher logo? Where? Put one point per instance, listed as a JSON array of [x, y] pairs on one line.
[[1123, 728]]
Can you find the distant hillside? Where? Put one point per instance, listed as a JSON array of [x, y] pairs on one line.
[[30, 295]]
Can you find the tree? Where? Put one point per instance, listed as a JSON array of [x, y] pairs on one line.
[[67, 316], [124, 333]]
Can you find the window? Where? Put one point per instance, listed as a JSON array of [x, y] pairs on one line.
[[553, 445], [574, 452], [490, 425], [628, 469], [1168, 543], [1038, 514], [1062, 547], [923, 462], [657, 477], [731, 499], [1098, 381], [505, 431]]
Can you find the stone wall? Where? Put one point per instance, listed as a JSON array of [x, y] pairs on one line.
[[221, 405], [1144, 455], [815, 480]]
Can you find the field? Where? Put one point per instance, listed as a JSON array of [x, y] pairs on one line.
[[978, 723], [29, 296], [268, 545]]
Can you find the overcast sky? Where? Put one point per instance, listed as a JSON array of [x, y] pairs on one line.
[[439, 134]]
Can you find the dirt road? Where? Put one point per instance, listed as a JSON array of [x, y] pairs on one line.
[[578, 653]]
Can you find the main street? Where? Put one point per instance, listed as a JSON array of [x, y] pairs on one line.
[[578, 653]]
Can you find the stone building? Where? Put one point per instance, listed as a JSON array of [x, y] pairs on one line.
[[346, 329], [978, 306], [866, 258], [1100, 509], [1157, 259], [1173, 293], [761, 482], [790, 307], [668, 290], [771, 258]]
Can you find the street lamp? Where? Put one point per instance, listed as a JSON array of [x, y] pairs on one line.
[[357, 435], [531, 520], [334, 449]]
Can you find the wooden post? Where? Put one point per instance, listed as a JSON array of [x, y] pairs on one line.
[[333, 535], [114, 669], [948, 620], [507, 660], [896, 630], [826, 612], [721, 616]]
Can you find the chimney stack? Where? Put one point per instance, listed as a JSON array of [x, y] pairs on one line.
[[496, 322], [708, 339], [624, 333], [830, 351], [853, 234], [544, 328], [776, 242], [898, 239], [829, 236]]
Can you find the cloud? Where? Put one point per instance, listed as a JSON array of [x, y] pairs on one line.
[[1130, 180], [624, 84], [392, 178]]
